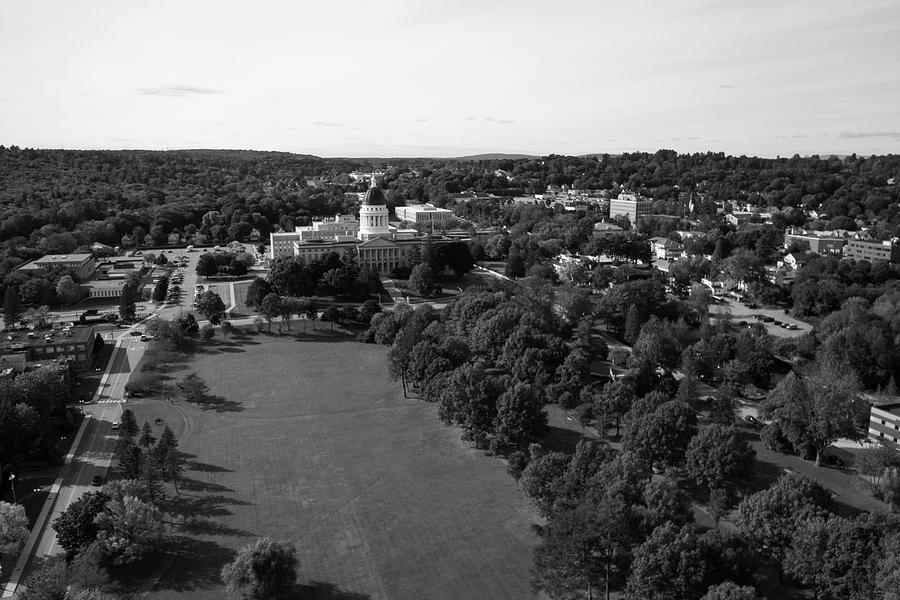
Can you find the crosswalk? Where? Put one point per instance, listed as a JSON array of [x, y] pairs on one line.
[[108, 401]]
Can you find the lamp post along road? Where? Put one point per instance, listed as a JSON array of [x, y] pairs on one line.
[[12, 483]]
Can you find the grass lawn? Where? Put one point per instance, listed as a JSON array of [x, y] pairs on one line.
[[240, 293], [304, 439]]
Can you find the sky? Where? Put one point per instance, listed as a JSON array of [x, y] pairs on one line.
[[453, 77]]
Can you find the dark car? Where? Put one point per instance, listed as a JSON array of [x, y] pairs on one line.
[[97, 481], [835, 461], [753, 306], [753, 421], [135, 332]]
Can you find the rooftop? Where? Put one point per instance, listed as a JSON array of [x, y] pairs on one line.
[[57, 258], [20, 339]]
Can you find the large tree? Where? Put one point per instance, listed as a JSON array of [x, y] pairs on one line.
[[210, 305], [127, 303], [718, 456], [75, 527], [67, 290], [12, 306], [13, 527], [520, 415], [129, 529], [264, 570], [770, 518], [836, 556], [206, 265], [194, 388], [257, 290], [816, 411], [422, 280], [663, 434], [580, 548]]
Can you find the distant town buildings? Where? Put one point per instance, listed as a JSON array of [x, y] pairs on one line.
[[820, 242], [666, 249], [423, 213], [862, 250], [378, 245], [630, 205]]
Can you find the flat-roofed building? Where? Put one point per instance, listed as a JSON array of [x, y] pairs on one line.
[[887, 250], [423, 213], [104, 288], [79, 266], [820, 244], [329, 229], [630, 205], [884, 423], [74, 345]]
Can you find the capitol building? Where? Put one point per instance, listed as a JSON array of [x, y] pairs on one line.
[[379, 245]]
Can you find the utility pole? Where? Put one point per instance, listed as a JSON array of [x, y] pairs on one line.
[[12, 481]]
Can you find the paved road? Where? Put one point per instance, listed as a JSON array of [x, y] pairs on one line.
[[95, 448], [95, 451]]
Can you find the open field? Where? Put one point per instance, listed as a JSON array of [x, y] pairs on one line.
[[307, 441]]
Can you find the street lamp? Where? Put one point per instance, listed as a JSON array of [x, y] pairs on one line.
[[12, 481]]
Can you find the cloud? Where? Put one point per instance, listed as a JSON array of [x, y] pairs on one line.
[[421, 120], [322, 124], [800, 135], [725, 86], [498, 121], [178, 90], [854, 135], [470, 118]]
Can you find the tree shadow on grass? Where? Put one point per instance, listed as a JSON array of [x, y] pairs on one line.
[[195, 485], [322, 335], [231, 349], [321, 590], [220, 404], [188, 507], [207, 527], [194, 465], [561, 440], [195, 565]]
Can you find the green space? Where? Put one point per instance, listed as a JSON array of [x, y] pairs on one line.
[[302, 438]]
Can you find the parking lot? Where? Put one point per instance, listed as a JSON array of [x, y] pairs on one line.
[[774, 318]]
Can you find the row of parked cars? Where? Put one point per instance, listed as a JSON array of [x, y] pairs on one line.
[[776, 322]]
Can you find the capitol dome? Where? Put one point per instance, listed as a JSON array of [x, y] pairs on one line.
[[374, 197]]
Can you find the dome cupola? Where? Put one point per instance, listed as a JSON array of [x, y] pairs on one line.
[[374, 196]]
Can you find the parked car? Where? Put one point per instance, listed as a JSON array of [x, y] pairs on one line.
[[792, 327], [97, 481], [753, 421], [753, 306], [835, 461], [135, 332], [774, 322], [115, 426]]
